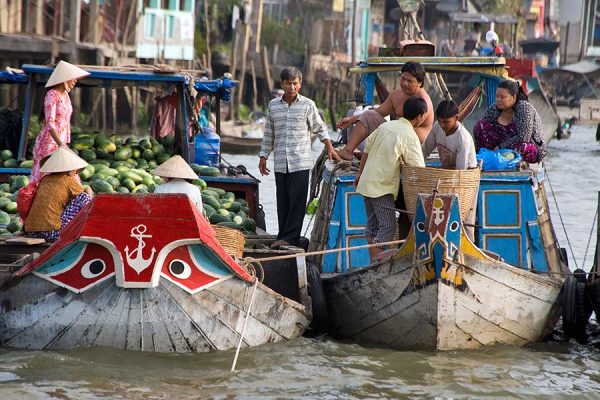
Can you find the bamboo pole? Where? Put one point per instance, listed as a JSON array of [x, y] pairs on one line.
[[254, 86], [242, 79], [267, 71]]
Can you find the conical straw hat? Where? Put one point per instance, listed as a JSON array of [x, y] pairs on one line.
[[175, 167], [62, 160], [65, 72]]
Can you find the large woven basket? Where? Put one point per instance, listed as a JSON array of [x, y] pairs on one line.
[[463, 182], [232, 240]]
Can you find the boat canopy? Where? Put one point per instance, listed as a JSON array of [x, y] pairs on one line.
[[13, 76], [492, 66], [119, 77]]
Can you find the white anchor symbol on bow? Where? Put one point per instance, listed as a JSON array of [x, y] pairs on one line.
[[139, 263]]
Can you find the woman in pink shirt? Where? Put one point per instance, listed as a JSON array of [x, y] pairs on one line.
[[56, 130]]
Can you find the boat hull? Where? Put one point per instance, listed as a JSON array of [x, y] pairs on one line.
[[37, 314], [480, 302]]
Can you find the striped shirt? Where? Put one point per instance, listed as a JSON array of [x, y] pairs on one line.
[[287, 133]]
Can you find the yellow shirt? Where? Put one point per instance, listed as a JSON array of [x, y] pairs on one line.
[[389, 146], [53, 195]]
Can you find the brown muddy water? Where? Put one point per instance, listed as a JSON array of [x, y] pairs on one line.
[[325, 369]]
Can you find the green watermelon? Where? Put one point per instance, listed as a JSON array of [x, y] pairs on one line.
[[128, 183], [145, 144], [148, 155], [82, 142], [6, 155], [26, 164], [11, 208], [88, 154], [162, 157], [116, 139], [14, 226], [101, 186], [122, 189], [11, 163], [4, 218], [123, 153]]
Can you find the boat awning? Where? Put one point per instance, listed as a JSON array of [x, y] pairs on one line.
[[494, 66], [581, 67], [117, 77], [13, 76]]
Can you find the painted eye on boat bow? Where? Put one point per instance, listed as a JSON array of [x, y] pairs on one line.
[[93, 268], [180, 269]]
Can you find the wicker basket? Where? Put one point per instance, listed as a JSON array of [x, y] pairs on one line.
[[232, 240], [463, 182]]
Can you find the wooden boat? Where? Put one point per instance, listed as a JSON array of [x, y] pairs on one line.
[[573, 88], [235, 141], [441, 290], [142, 272]]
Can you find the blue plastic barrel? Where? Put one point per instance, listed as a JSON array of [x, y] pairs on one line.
[[207, 145]]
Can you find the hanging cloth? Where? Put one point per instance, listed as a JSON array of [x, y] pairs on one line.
[[164, 118]]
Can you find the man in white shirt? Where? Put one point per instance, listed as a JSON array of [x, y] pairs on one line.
[[453, 141]]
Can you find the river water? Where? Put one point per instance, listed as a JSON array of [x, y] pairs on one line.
[[321, 368]]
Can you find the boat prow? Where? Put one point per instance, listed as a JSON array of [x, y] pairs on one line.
[[441, 292], [142, 272]]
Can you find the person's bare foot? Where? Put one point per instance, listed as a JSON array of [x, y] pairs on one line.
[[345, 154], [279, 244]]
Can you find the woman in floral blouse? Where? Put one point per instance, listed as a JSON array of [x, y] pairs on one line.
[[511, 123], [56, 130]]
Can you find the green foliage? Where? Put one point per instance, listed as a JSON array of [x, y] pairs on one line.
[[285, 34]]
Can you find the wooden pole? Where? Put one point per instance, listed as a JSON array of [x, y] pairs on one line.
[[267, 71], [259, 25], [233, 71], [242, 78], [254, 86], [207, 25]]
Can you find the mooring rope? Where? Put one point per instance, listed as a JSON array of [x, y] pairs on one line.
[[562, 223], [252, 266], [316, 253], [587, 247], [237, 350]]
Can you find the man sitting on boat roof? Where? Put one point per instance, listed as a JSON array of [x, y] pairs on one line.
[[411, 84], [392, 144], [453, 141]]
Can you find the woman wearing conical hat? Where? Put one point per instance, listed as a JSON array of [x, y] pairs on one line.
[[178, 172], [56, 130], [59, 196]]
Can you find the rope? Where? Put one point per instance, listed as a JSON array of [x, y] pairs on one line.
[[561, 218], [252, 266], [317, 253], [237, 350], [587, 248]]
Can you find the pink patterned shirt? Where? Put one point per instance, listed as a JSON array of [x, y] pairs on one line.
[[57, 116]]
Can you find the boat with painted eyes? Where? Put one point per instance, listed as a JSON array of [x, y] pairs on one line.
[[143, 272]]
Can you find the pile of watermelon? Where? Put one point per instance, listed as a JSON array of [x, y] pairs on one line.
[[10, 222], [118, 165]]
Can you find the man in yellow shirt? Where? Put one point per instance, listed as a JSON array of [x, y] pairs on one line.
[[392, 144]]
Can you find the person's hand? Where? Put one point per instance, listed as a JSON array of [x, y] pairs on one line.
[[346, 122], [356, 180], [262, 166], [332, 154]]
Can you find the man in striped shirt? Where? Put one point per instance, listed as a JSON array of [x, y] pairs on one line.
[[291, 119]]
